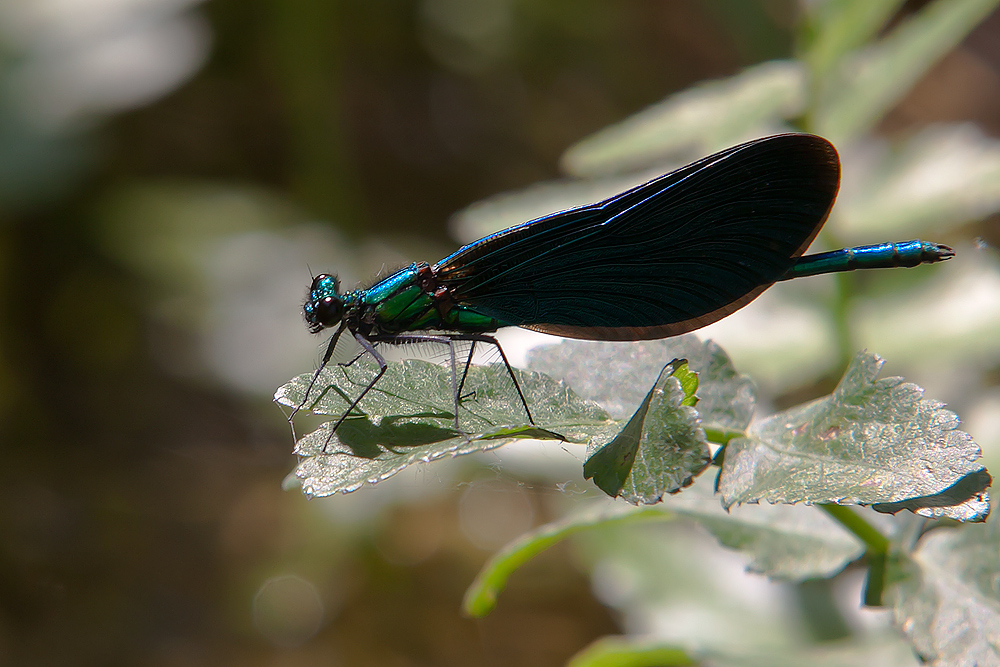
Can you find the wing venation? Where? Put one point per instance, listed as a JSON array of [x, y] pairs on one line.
[[666, 257]]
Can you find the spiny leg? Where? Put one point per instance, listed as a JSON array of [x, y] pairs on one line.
[[465, 373], [369, 344], [357, 357], [483, 338], [348, 364], [404, 339], [326, 359], [370, 349]]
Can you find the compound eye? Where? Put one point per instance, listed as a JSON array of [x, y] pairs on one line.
[[329, 311]]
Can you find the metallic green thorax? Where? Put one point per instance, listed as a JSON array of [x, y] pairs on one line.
[[408, 300]]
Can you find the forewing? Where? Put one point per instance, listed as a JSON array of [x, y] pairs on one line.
[[666, 257]]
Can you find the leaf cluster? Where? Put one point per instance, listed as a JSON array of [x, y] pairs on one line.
[[872, 441]]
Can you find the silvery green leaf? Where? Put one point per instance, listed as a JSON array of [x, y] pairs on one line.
[[618, 375], [695, 122], [792, 542], [658, 451], [948, 601], [343, 468], [873, 441], [408, 417]]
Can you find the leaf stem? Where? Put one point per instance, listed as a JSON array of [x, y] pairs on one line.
[[875, 584], [877, 551], [863, 530]]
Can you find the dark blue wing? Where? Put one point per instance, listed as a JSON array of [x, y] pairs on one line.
[[664, 258]]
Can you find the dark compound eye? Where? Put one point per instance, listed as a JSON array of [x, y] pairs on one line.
[[323, 307], [325, 312], [329, 310]]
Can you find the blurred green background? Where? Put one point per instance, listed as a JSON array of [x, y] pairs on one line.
[[172, 171]]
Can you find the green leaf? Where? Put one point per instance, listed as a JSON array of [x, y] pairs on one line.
[[659, 450], [481, 596], [782, 541], [688, 380], [870, 84], [948, 600], [870, 442], [693, 123], [408, 418], [617, 375]]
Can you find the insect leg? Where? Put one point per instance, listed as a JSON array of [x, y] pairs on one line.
[[465, 373], [326, 359], [483, 338], [403, 339], [348, 364], [370, 349]]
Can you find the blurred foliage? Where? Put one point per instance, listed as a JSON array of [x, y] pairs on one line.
[[169, 169]]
